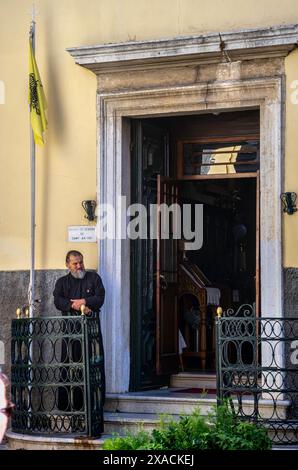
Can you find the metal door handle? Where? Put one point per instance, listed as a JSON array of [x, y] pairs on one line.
[[163, 282]]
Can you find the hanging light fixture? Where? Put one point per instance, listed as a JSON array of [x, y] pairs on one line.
[[288, 200], [89, 207]]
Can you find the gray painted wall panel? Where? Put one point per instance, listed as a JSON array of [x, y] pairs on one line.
[[13, 294]]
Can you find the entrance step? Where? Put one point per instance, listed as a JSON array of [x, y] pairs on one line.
[[123, 423], [169, 401], [194, 380], [173, 401], [131, 412]]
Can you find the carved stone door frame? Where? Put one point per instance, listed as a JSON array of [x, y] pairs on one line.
[[144, 85], [114, 175]]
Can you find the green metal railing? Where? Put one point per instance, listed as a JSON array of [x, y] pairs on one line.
[[57, 375], [257, 370]]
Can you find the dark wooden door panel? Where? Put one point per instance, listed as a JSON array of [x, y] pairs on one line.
[[149, 158], [167, 359]]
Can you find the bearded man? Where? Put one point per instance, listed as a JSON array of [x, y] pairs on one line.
[[79, 287]]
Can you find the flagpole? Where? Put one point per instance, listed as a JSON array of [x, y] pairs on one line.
[[31, 290]]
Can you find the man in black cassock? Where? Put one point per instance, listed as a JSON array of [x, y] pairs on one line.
[[79, 287]]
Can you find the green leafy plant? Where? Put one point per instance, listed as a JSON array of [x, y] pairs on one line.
[[228, 432], [139, 441], [220, 430]]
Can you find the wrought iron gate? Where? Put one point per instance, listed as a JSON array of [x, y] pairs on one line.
[[57, 375], [257, 369]]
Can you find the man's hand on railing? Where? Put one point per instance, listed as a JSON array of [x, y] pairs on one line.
[[77, 303]]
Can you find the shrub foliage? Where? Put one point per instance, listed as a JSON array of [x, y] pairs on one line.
[[219, 430]]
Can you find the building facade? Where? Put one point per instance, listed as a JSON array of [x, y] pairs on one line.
[[158, 85]]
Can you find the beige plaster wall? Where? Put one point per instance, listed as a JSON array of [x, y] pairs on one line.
[[66, 166]]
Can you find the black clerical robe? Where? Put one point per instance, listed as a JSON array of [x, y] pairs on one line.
[[90, 288]]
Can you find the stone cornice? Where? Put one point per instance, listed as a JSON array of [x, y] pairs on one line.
[[276, 41]]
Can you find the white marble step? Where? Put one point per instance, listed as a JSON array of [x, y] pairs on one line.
[[123, 423], [159, 401], [194, 380], [171, 401]]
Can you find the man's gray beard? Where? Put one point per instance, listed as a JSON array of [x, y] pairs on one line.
[[78, 274]]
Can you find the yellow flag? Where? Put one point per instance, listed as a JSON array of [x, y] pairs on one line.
[[37, 100]]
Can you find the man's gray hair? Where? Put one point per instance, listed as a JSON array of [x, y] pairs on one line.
[[72, 253]]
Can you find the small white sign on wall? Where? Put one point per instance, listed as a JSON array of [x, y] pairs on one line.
[[82, 233]]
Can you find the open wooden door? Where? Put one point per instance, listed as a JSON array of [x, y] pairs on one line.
[[167, 358]]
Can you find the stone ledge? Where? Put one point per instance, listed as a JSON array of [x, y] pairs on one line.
[[29, 442], [275, 41], [191, 380]]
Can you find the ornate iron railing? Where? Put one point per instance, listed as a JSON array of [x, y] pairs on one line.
[[257, 370], [57, 377]]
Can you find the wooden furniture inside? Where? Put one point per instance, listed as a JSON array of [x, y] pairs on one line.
[[188, 286], [193, 282]]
